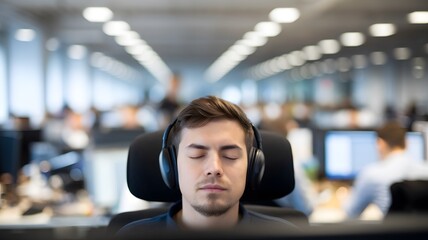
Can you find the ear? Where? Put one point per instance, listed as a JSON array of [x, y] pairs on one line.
[[381, 143], [382, 147]]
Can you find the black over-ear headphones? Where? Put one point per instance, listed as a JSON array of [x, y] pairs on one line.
[[168, 161]]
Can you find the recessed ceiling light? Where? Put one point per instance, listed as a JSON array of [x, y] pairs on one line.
[[284, 15], [242, 49], [402, 53], [140, 48], [312, 52], [329, 46], [352, 39], [268, 29], [76, 52], [283, 63], [25, 34], [418, 17], [97, 14], [378, 58], [128, 38], [115, 28], [296, 58], [382, 29], [254, 39]]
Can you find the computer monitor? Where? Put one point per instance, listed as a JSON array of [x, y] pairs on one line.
[[416, 146], [16, 149], [9, 154], [105, 175], [347, 152]]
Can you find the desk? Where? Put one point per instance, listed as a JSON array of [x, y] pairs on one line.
[[45, 227], [331, 197]]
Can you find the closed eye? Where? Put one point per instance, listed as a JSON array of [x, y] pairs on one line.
[[232, 153], [196, 151], [197, 157]]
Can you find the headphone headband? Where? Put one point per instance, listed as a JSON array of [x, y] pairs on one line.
[[166, 133]]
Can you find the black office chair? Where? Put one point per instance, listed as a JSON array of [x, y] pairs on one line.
[[145, 180], [409, 197]]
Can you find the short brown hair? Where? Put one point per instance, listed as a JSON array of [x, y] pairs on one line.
[[393, 134], [203, 110]]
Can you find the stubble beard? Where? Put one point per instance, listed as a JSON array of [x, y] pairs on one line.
[[211, 209]]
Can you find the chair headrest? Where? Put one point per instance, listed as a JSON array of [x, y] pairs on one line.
[[145, 180]]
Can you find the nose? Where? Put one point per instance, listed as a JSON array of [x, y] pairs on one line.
[[214, 166]]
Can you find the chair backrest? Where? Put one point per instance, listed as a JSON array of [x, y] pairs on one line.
[[409, 197], [145, 180]]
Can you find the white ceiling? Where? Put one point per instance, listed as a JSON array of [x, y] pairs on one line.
[[194, 33]]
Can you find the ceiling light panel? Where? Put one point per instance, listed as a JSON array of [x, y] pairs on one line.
[[382, 29], [97, 14], [402, 53], [329, 46], [418, 17], [284, 15], [76, 52], [268, 29], [115, 28], [352, 39], [25, 34]]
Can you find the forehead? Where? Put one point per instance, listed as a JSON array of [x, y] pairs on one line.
[[224, 130]]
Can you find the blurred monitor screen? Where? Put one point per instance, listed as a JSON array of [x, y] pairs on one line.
[[347, 152], [415, 144]]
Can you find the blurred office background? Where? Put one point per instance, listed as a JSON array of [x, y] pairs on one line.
[[79, 80]]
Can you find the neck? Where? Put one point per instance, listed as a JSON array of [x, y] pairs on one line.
[[394, 151], [188, 217]]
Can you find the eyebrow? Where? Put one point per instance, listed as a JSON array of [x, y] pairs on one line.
[[198, 146], [203, 147], [229, 147]]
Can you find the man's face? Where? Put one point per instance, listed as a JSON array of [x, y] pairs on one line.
[[212, 166]]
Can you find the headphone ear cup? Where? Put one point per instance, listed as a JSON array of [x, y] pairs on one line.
[[167, 164], [256, 167]]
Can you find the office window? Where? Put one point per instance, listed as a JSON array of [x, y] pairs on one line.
[[326, 93], [26, 76], [110, 92], [103, 91], [127, 94], [54, 83], [78, 87], [3, 87]]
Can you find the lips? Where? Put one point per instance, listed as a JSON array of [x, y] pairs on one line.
[[212, 188]]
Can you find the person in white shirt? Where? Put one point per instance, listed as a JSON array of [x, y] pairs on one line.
[[372, 184]]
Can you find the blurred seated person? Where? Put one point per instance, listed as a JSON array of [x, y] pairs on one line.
[[169, 105], [303, 197], [208, 148], [68, 130], [372, 183]]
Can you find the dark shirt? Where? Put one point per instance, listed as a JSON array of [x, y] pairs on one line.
[[166, 222]]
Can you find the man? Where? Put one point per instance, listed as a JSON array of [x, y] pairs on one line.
[[372, 185], [211, 139]]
